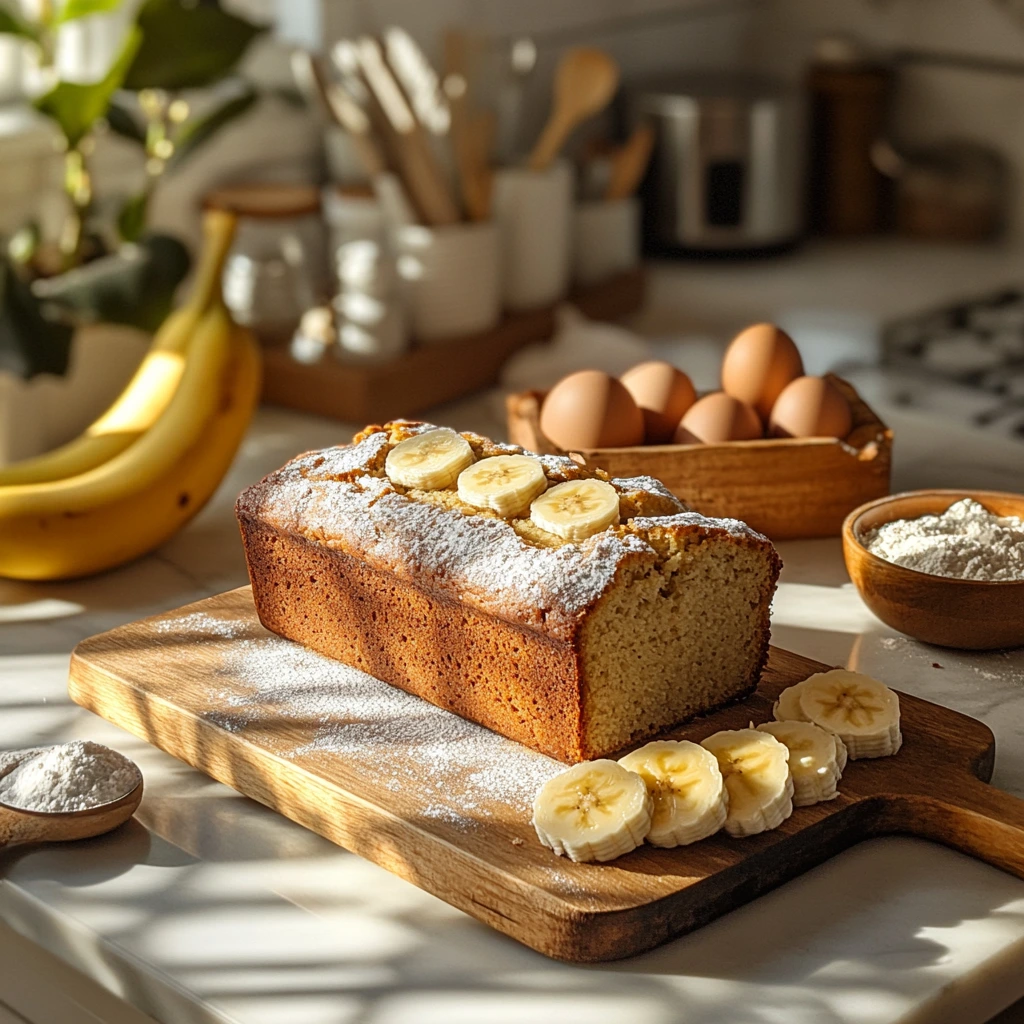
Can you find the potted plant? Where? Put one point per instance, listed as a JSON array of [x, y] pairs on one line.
[[105, 268]]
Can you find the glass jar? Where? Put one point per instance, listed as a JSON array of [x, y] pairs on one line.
[[276, 270]]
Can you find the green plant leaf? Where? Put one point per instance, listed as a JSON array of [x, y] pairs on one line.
[[201, 129], [23, 245], [30, 342], [77, 107], [123, 121], [131, 221], [287, 94], [134, 286], [187, 45], [12, 24], [72, 10]]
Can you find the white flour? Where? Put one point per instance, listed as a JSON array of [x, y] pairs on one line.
[[966, 542], [323, 710], [71, 777]]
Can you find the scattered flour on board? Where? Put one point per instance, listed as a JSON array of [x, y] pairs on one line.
[[202, 623], [70, 777], [465, 769], [966, 542]]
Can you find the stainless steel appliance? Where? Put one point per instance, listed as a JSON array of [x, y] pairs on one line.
[[728, 167]]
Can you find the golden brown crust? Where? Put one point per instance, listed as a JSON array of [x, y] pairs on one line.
[[465, 661]]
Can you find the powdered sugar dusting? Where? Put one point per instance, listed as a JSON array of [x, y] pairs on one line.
[[341, 460], [339, 498], [468, 773], [482, 560], [200, 624], [734, 527], [629, 484], [558, 467]]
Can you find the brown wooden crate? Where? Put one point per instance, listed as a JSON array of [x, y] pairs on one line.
[[430, 375], [784, 487]]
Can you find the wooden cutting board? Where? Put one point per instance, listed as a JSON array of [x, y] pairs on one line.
[[446, 804]]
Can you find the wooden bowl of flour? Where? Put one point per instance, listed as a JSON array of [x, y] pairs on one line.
[[942, 610]]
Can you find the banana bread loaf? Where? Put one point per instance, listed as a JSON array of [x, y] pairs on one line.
[[393, 563]]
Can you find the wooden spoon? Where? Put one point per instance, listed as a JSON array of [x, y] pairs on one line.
[[585, 83], [18, 826], [629, 163]]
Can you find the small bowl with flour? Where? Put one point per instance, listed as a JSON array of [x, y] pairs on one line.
[[945, 567], [73, 790]]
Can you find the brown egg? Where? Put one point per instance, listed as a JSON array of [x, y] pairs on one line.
[[810, 407], [663, 394], [718, 417], [758, 364], [591, 409]]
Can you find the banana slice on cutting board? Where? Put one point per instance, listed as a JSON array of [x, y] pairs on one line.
[[861, 711], [505, 483], [685, 782], [428, 461], [576, 509], [787, 707], [594, 811], [755, 766], [816, 760]]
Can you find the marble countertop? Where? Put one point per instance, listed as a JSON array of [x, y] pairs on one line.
[[208, 907]]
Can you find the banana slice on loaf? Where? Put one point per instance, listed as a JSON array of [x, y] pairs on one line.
[[576, 509], [429, 461], [505, 483]]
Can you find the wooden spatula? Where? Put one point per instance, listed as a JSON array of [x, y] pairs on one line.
[[585, 82], [480, 130], [424, 181], [629, 163], [343, 109], [472, 131]]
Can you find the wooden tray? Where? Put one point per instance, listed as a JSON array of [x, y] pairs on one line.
[[185, 681], [430, 374], [784, 487]]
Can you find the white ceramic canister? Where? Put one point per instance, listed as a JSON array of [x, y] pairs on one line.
[[606, 239], [352, 215], [452, 278], [534, 214]]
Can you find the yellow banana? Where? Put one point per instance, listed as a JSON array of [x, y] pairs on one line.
[[151, 390], [134, 510]]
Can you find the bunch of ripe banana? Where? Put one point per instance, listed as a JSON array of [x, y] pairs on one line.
[[154, 458]]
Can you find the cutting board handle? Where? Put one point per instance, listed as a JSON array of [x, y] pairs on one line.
[[968, 815]]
